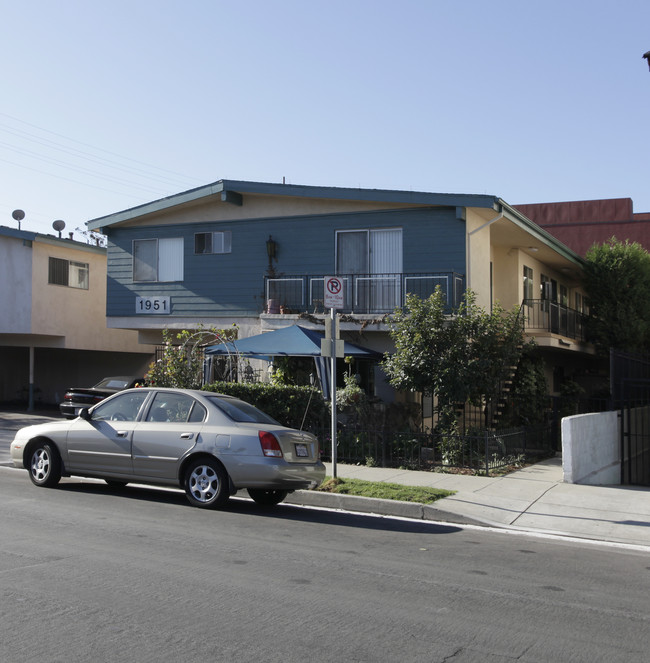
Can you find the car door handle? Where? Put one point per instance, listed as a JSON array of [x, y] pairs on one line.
[[122, 433], [187, 436]]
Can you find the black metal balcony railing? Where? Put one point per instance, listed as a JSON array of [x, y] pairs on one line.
[[363, 293], [545, 315]]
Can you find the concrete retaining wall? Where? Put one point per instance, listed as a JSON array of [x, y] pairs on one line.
[[591, 449]]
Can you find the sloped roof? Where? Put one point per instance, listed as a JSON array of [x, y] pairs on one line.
[[233, 190]]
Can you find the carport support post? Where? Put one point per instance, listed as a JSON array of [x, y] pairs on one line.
[[30, 398], [332, 336]]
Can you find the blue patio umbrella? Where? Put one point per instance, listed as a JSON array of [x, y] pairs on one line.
[[293, 341]]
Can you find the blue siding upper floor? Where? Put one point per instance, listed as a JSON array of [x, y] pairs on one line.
[[232, 284]]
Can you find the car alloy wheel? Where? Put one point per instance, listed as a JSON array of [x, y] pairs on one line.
[[45, 466], [206, 484]]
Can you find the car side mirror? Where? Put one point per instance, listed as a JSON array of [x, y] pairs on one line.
[[84, 413]]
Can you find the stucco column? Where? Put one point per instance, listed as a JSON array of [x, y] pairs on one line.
[[30, 399]]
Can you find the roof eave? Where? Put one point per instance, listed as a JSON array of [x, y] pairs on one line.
[[238, 187], [539, 233]]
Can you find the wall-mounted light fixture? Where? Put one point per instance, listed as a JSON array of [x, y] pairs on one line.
[[271, 248]]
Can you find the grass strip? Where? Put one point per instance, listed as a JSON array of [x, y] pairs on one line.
[[382, 490]]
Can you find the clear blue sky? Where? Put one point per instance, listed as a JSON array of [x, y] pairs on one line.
[[107, 105]]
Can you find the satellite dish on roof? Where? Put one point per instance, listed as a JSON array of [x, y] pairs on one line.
[[58, 225], [18, 215]]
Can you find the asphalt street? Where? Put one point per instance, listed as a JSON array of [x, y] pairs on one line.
[[91, 573]]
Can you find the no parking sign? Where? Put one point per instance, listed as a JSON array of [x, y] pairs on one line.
[[333, 292]]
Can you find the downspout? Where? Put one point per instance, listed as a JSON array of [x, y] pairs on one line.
[[469, 255]]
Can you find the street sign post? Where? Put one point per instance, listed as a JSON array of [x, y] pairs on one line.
[[334, 294], [332, 345]]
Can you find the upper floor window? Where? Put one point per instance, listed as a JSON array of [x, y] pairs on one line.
[[215, 242], [528, 283], [158, 259], [548, 288], [68, 272]]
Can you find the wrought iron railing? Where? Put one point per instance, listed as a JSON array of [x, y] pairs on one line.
[[481, 451], [363, 293], [545, 315]]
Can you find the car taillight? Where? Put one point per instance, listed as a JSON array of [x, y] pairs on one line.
[[270, 445], [67, 397]]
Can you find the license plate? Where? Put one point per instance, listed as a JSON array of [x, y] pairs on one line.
[[302, 451]]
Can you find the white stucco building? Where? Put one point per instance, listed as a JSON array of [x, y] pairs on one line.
[[53, 332]]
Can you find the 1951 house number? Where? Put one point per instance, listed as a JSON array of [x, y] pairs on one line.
[[156, 305]]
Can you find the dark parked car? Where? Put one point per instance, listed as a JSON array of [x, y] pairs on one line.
[[211, 445], [80, 397]]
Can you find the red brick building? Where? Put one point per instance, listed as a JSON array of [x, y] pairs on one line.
[[579, 224]]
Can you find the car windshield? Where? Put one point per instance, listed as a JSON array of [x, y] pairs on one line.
[[241, 411]]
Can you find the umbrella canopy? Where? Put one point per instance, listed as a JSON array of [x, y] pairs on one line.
[[294, 341]]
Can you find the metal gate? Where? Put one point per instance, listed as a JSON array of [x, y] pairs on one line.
[[635, 432]]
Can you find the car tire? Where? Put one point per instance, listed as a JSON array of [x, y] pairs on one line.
[[206, 484], [44, 465], [267, 497]]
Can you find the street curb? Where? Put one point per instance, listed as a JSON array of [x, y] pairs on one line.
[[379, 507]]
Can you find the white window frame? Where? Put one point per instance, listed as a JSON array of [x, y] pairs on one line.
[[168, 261]]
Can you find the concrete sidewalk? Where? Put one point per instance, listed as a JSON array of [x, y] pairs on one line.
[[531, 499]]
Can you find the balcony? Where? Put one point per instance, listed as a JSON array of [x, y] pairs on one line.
[[363, 293], [543, 315]]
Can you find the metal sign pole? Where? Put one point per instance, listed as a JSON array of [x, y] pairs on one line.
[[333, 386], [331, 346]]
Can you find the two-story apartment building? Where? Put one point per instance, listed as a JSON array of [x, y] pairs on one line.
[[256, 255], [53, 332]]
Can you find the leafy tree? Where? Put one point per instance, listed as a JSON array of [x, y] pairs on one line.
[[617, 283], [459, 358], [181, 364]]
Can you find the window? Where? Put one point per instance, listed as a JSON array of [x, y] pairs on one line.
[[158, 259], [68, 272], [124, 407], [528, 283], [374, 257], [564, 295], [178, 408], [216, 242], [548, 288]]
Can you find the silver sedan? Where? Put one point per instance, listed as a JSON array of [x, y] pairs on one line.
[[209, 444]]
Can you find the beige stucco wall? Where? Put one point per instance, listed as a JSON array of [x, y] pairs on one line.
[[478, 257], [257, 207], [505, 282], [75, 318]]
